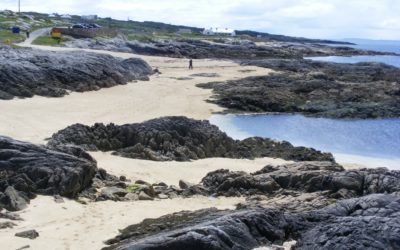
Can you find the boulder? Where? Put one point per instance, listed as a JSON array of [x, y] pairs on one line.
[[27, 169], [178, 139], [30, 234]]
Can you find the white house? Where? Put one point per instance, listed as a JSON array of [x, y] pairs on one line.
[[219, 31], [66, 16]]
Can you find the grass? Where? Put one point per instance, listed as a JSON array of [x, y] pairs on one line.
[[7, 37], [132, 188], [48, 41]]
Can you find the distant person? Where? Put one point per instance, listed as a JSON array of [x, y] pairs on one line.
[[190, 64], [27, 34]]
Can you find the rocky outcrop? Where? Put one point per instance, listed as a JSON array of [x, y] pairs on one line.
[[27, 169], [363, 90], [176, 138], [304, 177], [346, 224], [218, 48], [26, 72]]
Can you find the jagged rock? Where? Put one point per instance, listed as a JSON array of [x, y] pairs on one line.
[[363, 90], [177, 138], [184, 184], [10, 216], [13, 200], [7, 224], [31, 169], [27, 72], [112, 193], [221, 48], [304, 177], [144, 197], [30, 234], [370, 222]]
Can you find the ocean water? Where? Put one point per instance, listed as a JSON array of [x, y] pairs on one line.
[[376, 45], [390, 60], [366, 138]]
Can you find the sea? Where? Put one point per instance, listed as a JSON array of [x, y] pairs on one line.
[[371, 142]]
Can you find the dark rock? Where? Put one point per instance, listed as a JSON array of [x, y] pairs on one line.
[[177, 138], [370, 222], [13, 200], [31, 169], [184, 184], [30, 234], [58, 199], [363, 90], [221, 48], [7, 224], [303, 177], [144, 197], [112, 193], [26, 72]]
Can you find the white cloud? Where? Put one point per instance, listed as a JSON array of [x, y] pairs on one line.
[[377, 19]]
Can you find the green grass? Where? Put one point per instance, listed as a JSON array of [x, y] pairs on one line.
[[132, 188], [48, 41], [7, 37]]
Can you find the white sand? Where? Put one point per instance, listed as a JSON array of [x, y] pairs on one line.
[[172, 172], [71, 225], [357, 161]]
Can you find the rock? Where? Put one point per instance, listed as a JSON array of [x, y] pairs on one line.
[[112, 193], [303, 177], [184, 184], [322, 89], [178, 139], [24, 247], [7, 224], [162, 196], [370, 222], [27, 72], [10, 216], [144, 197], [58, 199], [30, 234], [149, 190], [27, 169], [122, 178], [13, 200], [132, 197], [222, 48]]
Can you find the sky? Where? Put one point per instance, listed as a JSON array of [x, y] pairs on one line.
[[333, 19]]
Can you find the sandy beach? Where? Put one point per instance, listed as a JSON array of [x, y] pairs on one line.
[[71, 225]]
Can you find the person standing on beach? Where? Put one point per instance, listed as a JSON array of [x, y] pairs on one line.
[[190, 64], [27, 34]]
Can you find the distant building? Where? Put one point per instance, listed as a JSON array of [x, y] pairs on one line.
[[219, 31], [89, 17], [184, 31], [66, 16]]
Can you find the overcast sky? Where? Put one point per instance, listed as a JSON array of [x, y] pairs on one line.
[[375, 19]]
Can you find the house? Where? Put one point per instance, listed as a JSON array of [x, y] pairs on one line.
[[66, 16], [89, 17], [219, 31]]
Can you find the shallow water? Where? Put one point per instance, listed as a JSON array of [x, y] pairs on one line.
[[375, 45], [390, 60], [366, 138]]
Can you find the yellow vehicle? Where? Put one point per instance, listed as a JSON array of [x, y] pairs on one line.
[[55, 33]]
